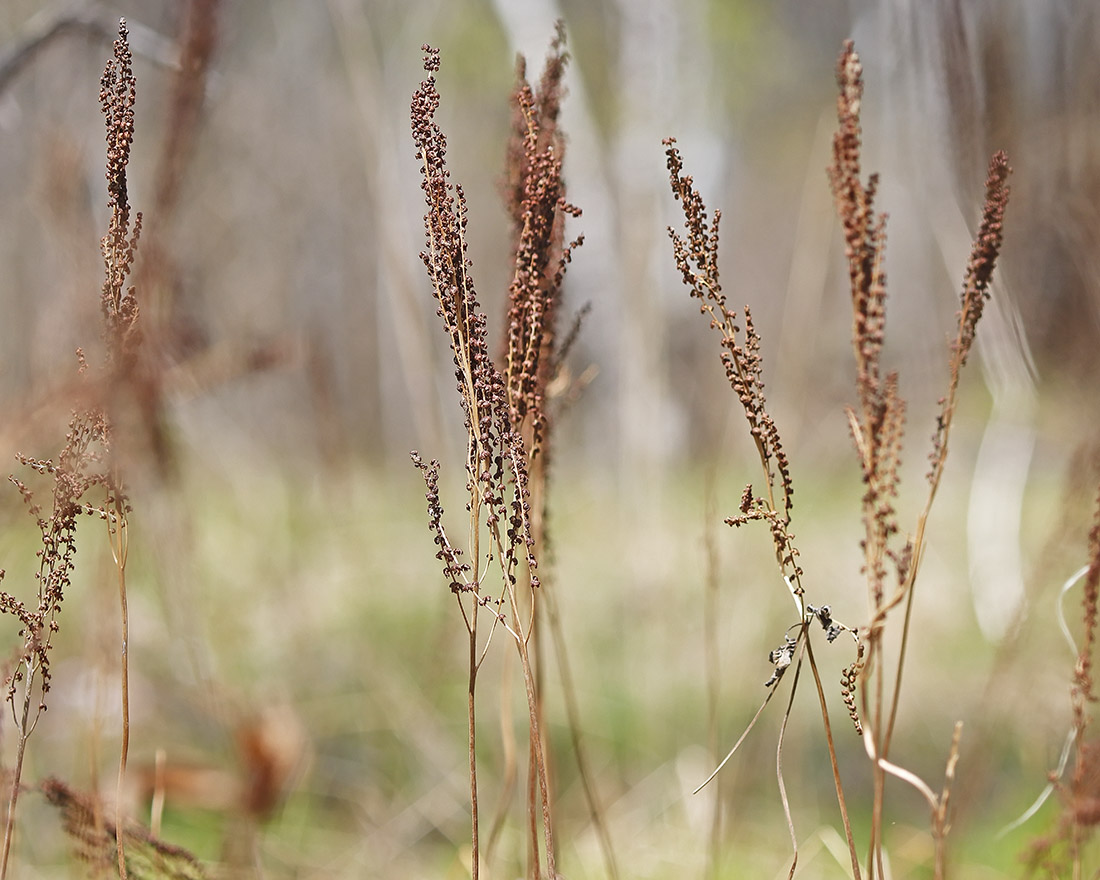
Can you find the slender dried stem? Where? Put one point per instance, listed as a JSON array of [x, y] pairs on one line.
[[13, 794], [696, 256], [471, 722], [505, 425], [118, 534], [877, 422], [712, 665]]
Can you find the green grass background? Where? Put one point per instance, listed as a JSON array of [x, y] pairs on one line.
[[318, 596]]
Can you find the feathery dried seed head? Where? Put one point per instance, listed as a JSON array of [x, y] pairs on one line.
[[535, 198], [117, 95]]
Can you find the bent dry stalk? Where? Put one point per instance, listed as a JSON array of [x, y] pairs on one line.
[[877, 427], [696, 256]]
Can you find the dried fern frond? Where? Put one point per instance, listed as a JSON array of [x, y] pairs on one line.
[[94, 839]]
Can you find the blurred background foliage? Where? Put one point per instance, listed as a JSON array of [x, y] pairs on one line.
[[287, 612]]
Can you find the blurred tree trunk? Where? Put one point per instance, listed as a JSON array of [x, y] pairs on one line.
[[407, 379], [647, 56]]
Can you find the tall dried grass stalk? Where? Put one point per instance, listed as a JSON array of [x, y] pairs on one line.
[[509, 413], [117, 95], [86, 464], [891, 563], [877, 424], [505, 425], [534, 367], [696, 256]]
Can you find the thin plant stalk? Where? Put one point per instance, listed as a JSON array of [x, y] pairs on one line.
[[696, 257], [712, 667], [17, 774], [521, 638], [119, 535], [156, 802], [118, 89], [497, 474], [572, 714], [508, 758], [803, 641], [833, 763], [471, 721], [877, 426]]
